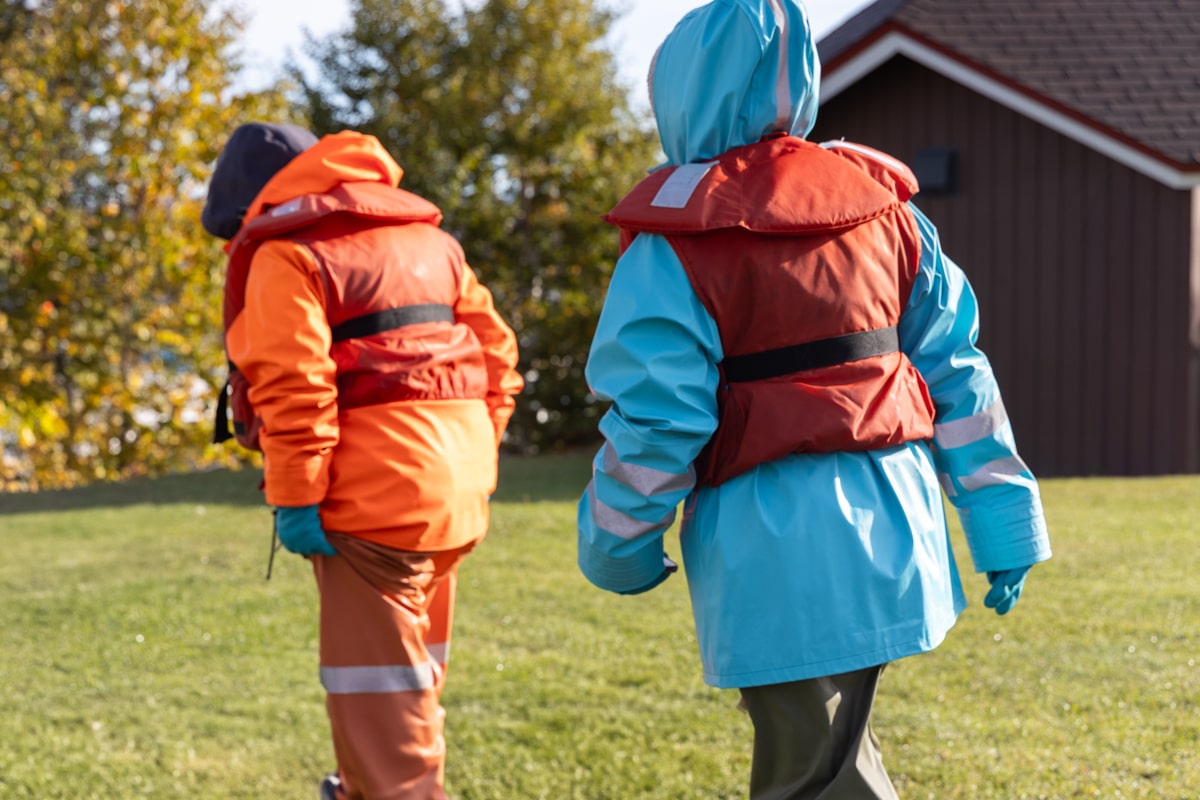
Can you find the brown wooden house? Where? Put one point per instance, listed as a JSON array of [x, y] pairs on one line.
[[1058, 146]]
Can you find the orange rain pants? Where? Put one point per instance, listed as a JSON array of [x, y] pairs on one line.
[[386, 616]]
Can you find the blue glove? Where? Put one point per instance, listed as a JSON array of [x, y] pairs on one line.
[[669, 567], [299, 529], [1006, 589]]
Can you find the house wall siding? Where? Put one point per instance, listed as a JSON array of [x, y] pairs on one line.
[[1081, 267]]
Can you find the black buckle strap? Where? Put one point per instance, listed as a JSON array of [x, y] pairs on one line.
[[365, 325], [811, 355], [221, 417], [392, 318]]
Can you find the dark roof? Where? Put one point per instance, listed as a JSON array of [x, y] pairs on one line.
[[1130, 67]]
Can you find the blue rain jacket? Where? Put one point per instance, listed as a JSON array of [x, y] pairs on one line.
[[810, 565]]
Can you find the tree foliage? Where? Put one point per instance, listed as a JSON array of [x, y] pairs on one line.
[[509, 115], [109, 290]]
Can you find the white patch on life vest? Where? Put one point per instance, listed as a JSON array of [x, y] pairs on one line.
[[677, 190], [283, 209]]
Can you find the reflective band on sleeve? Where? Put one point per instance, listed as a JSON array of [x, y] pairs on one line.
[[677, 189], [439, 652], [971, 429], [644, 480], [1011, 470], [622, 525], [783, 87], [377, 680], [947, 484]]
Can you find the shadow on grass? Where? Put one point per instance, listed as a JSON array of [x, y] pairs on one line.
[[522, 480], [548, 478], [216, 487]]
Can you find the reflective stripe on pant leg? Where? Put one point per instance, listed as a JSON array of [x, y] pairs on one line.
[[382, 684], [441, 614], [813, 740]]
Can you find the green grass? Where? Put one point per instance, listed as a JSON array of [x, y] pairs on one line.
[[142, 655]]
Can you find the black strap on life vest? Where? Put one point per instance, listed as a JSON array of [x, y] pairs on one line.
[[221, 431], [390, 319], [354, 328], [811, 355]]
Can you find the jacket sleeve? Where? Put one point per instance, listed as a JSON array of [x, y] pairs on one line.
[[281, 342], [475, 309], [654, 355], [995, 494]]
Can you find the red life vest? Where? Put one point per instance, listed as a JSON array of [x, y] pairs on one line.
[[395, 336], [805, 256]]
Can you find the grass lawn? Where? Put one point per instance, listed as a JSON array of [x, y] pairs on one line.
[[143, 655]]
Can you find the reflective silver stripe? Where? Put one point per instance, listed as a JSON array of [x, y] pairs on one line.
[[290, 207], [995, 473], [623, 525], [971, 429], [947, 484], [645, 480], [440, 653], [377, 680], [869, 153], [783, 86], [677, 189]]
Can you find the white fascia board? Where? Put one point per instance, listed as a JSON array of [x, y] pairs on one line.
[[895, 43]]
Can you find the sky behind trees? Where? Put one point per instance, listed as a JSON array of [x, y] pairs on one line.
[[276, 26]]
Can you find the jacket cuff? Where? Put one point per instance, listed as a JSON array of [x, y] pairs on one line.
[[1006, 538], [637, 568], [301, 484]]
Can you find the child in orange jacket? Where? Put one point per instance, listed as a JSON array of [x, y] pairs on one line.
[[382, 380]]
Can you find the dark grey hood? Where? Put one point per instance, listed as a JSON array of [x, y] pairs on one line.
[[251, 157]]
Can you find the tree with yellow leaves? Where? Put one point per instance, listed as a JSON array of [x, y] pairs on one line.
[[111, 115]]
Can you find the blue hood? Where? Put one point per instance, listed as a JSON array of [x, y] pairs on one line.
[[732, 72]]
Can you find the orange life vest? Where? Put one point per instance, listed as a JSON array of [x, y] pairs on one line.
[[391, 313], [805, 256]]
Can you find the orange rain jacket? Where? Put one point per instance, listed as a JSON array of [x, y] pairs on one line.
[[413, 474]]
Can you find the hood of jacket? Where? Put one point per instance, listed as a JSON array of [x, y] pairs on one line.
[[253, 155], [338, 158], [732, 72]]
